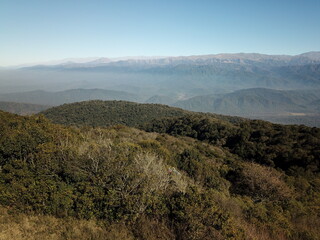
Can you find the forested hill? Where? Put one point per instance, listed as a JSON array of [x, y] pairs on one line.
[[245, 181], [291, 148], [281, 146], [106, 113], [285, 147]]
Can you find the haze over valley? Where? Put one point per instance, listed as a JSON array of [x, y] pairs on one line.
[[279, 88]]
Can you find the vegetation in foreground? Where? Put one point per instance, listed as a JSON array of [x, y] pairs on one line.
[[211, 180]]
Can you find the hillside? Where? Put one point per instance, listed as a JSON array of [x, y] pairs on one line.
[[282, 146], [161, 100], [22, 108], [68, 96], [253, 140], [210, 180], [255, 101], [259, 103], [232, 133], [279, 106], [107, 113]]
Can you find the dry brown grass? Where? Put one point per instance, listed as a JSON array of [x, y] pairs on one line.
[[252, 232], [31, 227], [265, 182]]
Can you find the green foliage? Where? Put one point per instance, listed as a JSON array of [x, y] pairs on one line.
[[206, 184], [106, 113], [212, 224], [285, 147]]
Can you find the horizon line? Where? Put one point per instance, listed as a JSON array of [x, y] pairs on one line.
[[137, 57]]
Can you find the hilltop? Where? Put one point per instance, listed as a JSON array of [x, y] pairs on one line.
[[190, 176], [107, 113]]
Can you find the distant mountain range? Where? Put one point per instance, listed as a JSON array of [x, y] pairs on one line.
[[236, 58], [280, 88], [223, 70], [171, 76]]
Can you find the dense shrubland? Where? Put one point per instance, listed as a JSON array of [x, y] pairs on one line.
[[212, 180], [291, 148]]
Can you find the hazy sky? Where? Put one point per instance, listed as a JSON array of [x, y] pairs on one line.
[[39, 30]]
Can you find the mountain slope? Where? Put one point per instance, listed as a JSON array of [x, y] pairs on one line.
[[309, 73], [161, 100], [22, 108], [256, 137], [254, 102], [172, 76], [124, 183], [68, 96]]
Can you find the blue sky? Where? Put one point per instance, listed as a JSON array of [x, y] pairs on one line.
[[40, 30]]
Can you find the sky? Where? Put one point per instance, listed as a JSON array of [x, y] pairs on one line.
[[43, 30]]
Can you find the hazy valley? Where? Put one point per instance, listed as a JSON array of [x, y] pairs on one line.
[[277, 88]]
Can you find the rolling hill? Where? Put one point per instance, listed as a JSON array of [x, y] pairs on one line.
[[106, 113], [232, 178], [97, 113], [235, 134], [258, 102], [161, 100], [22, 108], [68, 96], [279, 106]]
